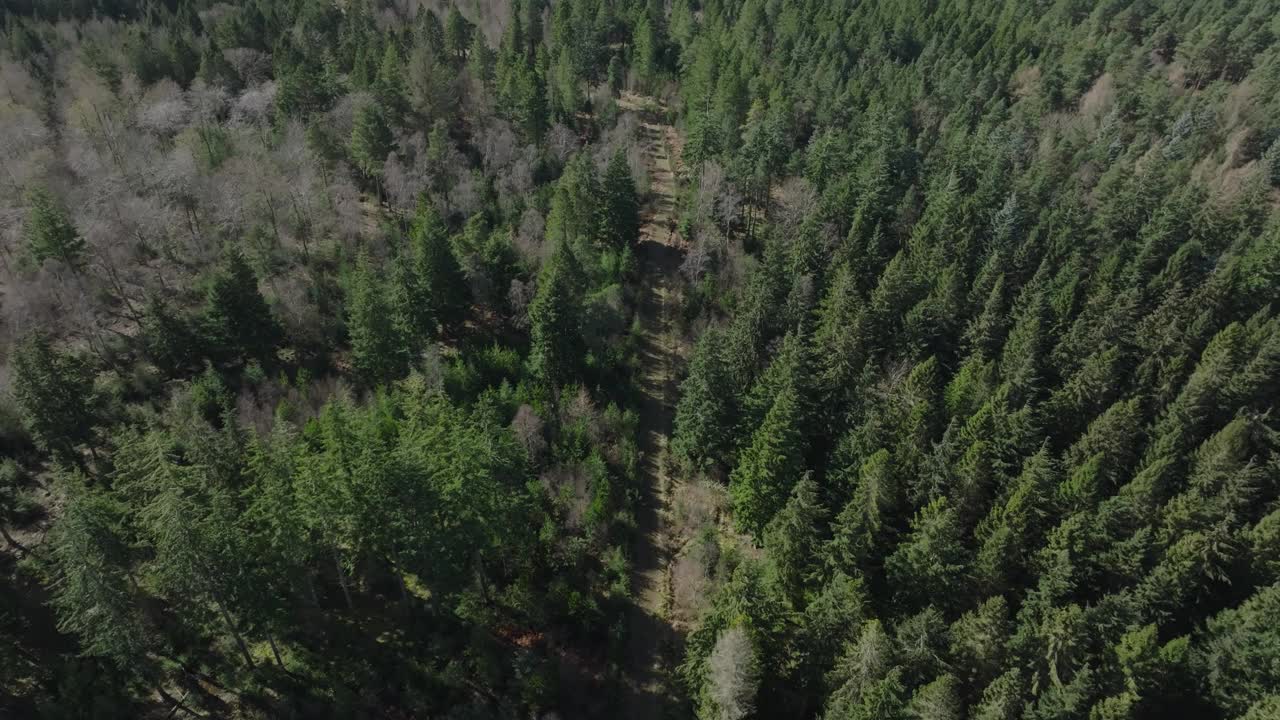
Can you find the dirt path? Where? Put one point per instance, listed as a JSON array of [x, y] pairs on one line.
[[653, 644]]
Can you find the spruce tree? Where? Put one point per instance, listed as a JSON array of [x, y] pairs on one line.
[[54, 392], [769, 466], [379, 348], [621, 209], [370, 140], [237, 321], [555, 321], [704, 415], [49, 233]]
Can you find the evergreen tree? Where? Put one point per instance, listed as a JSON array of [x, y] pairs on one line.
[[54, 392], [555, 321], [443, 292], [49, 233], [370, 140], [704, 414], [769, 466], [792, 539], [379, 348], [237, 321], [621, 208], [94, 598]]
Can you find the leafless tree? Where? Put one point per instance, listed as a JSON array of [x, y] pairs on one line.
[[530, 235], [734, 675], [254, 106], [518, 298], [562, 143], [164, 109], [253, 66], [529, 431]]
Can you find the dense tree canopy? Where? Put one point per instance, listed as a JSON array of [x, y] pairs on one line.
[[330, 384]]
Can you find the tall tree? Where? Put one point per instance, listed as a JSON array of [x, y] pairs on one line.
[[54, 391], [237, 320], [769, 466], [379, 348], [555, 320], [49, 233], [621, 208]]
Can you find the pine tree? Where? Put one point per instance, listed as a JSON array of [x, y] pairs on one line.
[[370, 140], [704, 415], [444, 295], [49, 233], [555, 320], [939, 700], [170, 340], [93, 596], [389, 87], [930, 564], [457, 34], [621, 208], [237, 321], [379, 349], [769, 466], [54, 392], [792, 540]]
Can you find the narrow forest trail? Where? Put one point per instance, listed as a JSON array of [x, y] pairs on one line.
[[653, 643]]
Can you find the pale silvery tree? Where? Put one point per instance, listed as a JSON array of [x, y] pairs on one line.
[[253, 66], [530, 236], [796, 200], [23, 151], [562, 143], [406, 174], [306, 191], [498, 146], [733, 675], [163, 109], [516, 180], [253, 109]]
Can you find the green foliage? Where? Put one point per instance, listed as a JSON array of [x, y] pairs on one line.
[[370, 140], [54, 392], [49, 233], [555, 321], [379, 346], [237, 322], [769, 466], [620, 224], [705, 411]]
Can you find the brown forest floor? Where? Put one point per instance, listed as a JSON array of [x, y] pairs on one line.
[[653, 643]]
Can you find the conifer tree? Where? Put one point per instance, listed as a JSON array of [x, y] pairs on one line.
[[379, 348], [370, 140], [237, 320], [704, 415], [49, 233], [792, 539], [621, 221], [555, 320], [769, 466], [94, 598], [54, 391]]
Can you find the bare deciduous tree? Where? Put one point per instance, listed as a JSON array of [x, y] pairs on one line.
[[733, 675], [528, 429]]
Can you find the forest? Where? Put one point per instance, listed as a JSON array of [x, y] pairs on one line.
[[714, 359]]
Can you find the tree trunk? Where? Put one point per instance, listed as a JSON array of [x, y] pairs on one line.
[[235, 633], [4, 533], [275, 650], [312, 595], [177, 704], [342, 580]]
